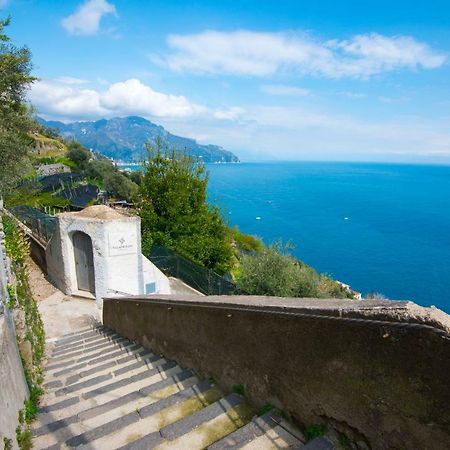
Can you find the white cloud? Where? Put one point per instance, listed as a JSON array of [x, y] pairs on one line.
[[132, 96], [275, 132], [263, 54], [71, 80], [350, 94], [59, 99], [86, 19], [233, 113], [282, 89]]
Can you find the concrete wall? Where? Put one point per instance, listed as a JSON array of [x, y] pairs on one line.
[[153, 275], [13, 387], [379, 371]]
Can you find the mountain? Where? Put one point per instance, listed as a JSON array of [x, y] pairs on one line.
[[124, 138]]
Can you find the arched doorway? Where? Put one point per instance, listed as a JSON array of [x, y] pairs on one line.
[[84, 261]]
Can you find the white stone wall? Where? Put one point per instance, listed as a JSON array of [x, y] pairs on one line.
[[153, 275], [119, 266]]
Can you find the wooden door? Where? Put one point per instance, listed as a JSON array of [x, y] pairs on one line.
[[84, 261]]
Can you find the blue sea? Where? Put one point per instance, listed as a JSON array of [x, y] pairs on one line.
[[378, 227]]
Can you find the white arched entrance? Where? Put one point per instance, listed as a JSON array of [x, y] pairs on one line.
[[84, 261]]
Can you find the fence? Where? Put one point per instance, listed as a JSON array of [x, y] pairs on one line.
[[40, 224], [200, 278]]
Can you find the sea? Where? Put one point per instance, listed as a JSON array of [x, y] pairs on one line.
[[381, 228]]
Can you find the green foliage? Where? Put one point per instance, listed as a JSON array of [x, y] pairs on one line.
[[239, 389], [119, 186], [273, 271], [31, 195], [78, 155], [56, 160], [16, 243], [344, 441], [245, 242], [12, 296], [15, 118], [265, 409], [106, 175], [7, 444], [31, 405], [174, 211], [17, 248], [23, 437], [315, 430]]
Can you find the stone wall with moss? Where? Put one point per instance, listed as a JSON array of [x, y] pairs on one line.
[[29, 330]]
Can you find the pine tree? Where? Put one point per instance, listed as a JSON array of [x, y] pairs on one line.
[[173, 206]]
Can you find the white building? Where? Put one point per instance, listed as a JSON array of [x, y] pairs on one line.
[[96, 253]]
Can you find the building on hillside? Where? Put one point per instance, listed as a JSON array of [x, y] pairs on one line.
[[52, 169]]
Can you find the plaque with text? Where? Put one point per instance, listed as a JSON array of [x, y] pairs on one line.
[[122, 243]]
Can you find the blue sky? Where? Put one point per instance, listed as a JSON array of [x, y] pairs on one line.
[[322, 80]]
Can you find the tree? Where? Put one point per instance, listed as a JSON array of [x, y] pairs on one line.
[[15, 118], [119, 186], [79, 155], [174, 211]]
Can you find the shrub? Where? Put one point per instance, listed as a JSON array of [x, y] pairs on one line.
[[273, 271]]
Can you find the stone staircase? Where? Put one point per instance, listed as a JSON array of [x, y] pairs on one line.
[[106, 392]]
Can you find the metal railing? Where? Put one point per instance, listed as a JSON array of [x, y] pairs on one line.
[[200, 278], [41, 224]]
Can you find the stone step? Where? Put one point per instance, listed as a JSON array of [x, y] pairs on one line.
[[97, 380], [106, 392], [98, 416], [266, 432], [118, 357], [60, 347], [84, 349], [141, 357], [319, 443], [85, 336], [148, 420], [108, 382], [145, 360], [70, 364], [100, 396], [208, 425]]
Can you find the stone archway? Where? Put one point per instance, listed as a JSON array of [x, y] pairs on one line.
[[84, 261]]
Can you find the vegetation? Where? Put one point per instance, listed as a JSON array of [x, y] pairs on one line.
[[172, 204], [239, 389], [273, 271], [15, 119], [102, 172], [29, 326], [7, 444], [31, 195], [315, 430]]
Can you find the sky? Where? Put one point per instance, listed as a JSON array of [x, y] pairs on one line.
[[268, 80]]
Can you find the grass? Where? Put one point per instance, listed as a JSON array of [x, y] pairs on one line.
[[314, 430]]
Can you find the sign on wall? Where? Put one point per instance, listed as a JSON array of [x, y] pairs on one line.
[[124, 243]]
